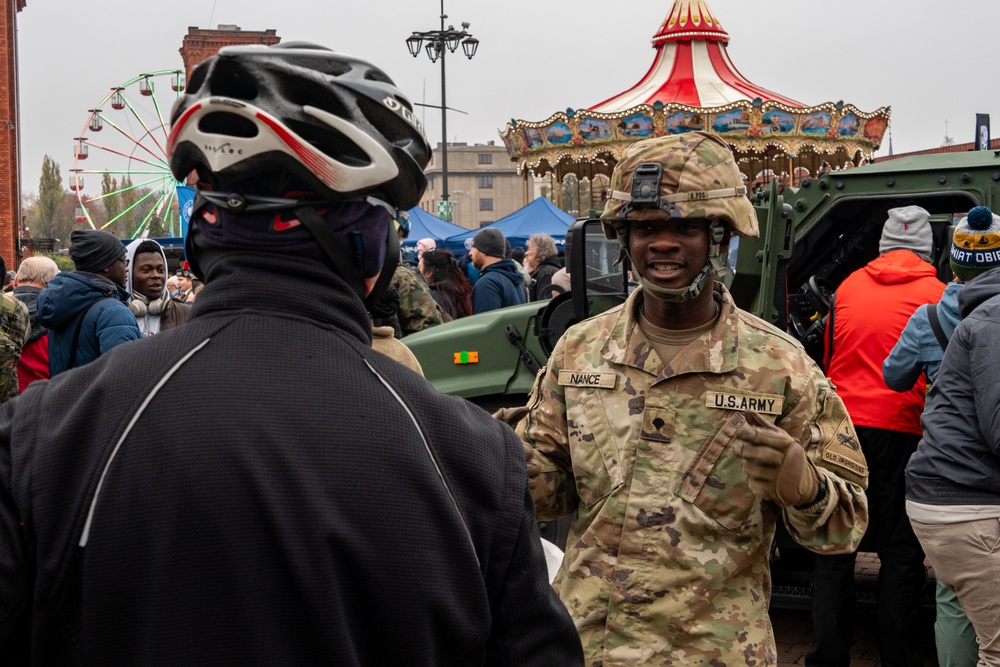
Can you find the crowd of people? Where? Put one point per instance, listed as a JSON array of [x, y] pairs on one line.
[[320, 503]]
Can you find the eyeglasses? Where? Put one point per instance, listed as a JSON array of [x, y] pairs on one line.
[[124, 260]]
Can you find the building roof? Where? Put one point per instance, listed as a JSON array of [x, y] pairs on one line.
[[691, 66]]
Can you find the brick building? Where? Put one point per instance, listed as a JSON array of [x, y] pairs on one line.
[[201, 43], [10, 149]]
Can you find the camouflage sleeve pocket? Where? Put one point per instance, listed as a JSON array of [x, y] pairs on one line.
[[597, 465], [715, 482]]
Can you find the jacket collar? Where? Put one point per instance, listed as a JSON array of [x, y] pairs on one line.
[[256, 282], [716, 351]]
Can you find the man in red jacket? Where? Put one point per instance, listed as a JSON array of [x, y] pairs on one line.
[[870, 310]]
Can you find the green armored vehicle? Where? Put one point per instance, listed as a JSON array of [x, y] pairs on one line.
[[811, 238]]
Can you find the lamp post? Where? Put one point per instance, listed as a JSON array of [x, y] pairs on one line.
[[437, 43]]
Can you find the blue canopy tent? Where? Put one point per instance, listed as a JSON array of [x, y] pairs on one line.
[[539, 217], [424, 225]]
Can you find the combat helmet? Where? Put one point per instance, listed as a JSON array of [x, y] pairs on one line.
[[691, 175]]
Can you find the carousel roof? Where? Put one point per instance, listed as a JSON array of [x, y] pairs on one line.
[[694, 86], [691, 66]]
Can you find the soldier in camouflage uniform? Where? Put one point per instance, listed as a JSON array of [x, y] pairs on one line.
[[15, 325], [681, 429], [417, 308]]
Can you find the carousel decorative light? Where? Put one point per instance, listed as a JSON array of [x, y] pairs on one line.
[[693, 85]]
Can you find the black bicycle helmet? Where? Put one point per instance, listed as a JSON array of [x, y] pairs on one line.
[[334, 122]]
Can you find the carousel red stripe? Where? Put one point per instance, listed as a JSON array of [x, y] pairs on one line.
[[680, 86], [642, 82], [733, 78]]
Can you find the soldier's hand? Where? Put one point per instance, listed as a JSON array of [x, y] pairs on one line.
[[533, 469], [776, 466]]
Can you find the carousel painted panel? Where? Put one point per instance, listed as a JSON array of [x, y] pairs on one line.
[[734, 120], [777, 121], [533, 137], [636, 126], [680, 122], [595, 129], [817, 123], [848, 125], [874, 129], [558, 133]]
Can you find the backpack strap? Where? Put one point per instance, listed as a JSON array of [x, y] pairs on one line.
[[76, 334], [932, 316]]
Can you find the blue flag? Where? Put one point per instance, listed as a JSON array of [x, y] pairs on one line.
[[185, 202]]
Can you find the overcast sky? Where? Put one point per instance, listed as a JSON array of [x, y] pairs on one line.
[[932, 62]]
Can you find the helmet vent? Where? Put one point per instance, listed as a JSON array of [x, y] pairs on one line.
[[332, 143], [373, 74], [304, 92], [229, 79], [227, 124]]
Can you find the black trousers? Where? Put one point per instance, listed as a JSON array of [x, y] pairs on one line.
[[901, 576]]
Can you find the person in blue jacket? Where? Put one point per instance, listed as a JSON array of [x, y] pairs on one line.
[[500, 283], [950, 480], [86, 311]]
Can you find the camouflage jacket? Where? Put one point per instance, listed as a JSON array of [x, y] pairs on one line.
[[15, 325], [668, 556], [417, 308]]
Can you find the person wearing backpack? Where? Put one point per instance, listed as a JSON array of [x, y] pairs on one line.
[[950, 485], [32, 277], [15, 325], [86, 310]]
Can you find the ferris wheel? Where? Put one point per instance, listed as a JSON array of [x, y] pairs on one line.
[[121, 176]]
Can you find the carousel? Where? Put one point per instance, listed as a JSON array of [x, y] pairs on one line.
[[693, 85]]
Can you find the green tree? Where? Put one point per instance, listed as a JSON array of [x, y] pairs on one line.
[[50, 192], [128, 197], [112, 204]]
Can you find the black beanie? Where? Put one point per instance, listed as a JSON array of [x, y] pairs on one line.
[[93, 250], [490, 241]]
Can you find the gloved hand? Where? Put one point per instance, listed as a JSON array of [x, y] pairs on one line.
[[776, 465]]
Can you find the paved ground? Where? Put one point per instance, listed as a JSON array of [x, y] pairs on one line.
[[794, 635]]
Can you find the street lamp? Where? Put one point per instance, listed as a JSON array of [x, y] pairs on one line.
[[438, 44]]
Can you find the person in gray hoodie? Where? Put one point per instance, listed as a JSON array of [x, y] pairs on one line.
[[154, 309], [953, 478]]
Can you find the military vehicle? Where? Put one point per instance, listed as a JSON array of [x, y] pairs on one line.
[[811, 238]]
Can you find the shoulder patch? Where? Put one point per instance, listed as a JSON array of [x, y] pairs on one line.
[[844, 453], [601, 379]]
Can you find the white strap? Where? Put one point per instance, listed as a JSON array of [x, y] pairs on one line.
[[699, 195]]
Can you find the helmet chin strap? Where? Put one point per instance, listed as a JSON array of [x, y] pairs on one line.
[[715, 268]]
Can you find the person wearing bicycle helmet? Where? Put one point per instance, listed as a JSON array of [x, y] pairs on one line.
[[679, 428], [318, 503]]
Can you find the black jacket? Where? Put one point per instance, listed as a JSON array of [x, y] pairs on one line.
[[958, 460], [541, 277], [296, 515]]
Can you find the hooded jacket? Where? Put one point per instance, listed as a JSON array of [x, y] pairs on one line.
[[871, 308], [362, 518], [958, 459], [164, 312], [918, 350], [500, 285], [91, 304], [541, 277]]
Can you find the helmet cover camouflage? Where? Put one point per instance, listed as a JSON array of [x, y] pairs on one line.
[[699, 179]]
